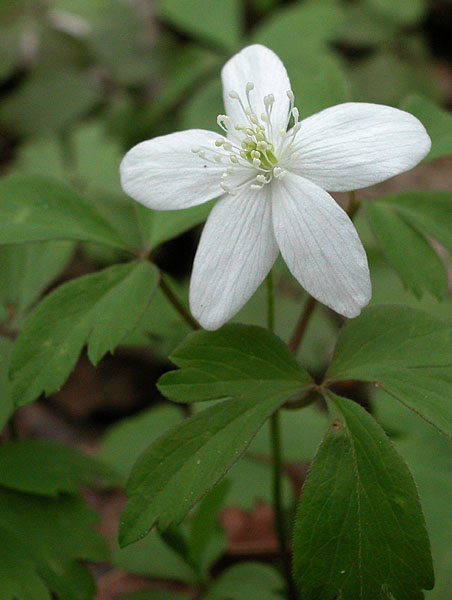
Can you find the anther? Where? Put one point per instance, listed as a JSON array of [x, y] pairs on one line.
[[290, 95], [249, 86], [269, 100], [233, 94], [261, 179], [196, 149], [219, 143]]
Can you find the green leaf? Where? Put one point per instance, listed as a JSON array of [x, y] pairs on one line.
[[247, 580], [97, 310], [126, 440], [160, 226], [405, 12], [57, 533], [384, 77], [360, 533], [204, 525], [317, 82], [237, 360], [427, 210], [220, 22], [429, 457], [27, 269], [407, 250], [156, 594], [18, 573], [182, 465], [312, 24], [6, 402], [28, 111], [437, 121], [406, 352], [35, 208], [48, 469]]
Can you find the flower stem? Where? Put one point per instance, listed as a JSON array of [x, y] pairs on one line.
[[300, 328], [280, 525], [277, 465], [171, 296], [270, 302]]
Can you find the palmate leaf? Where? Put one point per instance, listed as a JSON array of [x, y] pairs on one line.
[[249, 365], [35, 208], [235, 360], [97, 310], [360, 533], [406, 352]]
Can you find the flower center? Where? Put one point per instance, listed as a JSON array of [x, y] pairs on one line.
[[256, 151]]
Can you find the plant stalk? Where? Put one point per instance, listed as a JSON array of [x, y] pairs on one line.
[[277, 466], [180, 308]]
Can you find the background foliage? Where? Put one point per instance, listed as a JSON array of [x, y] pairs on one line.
[[80, 83]]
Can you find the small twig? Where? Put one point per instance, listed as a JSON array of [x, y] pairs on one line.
[[193, 323]]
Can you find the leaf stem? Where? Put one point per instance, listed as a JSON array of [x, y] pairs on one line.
[[180, 308], [277, 463]]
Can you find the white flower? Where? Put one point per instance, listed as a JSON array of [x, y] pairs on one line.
[[271, 181]]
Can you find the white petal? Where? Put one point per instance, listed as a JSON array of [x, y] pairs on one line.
[[320, 245], [353, 145], [235, 254], [258, 65], [164, 173]]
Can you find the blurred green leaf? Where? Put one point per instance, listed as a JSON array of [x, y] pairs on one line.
[[28, 111], [437, 121], [386, 78], [6, 402], [201, 109], [235, 361], [427, 210], [160, 226], [155, 594], [219, 21], [153, 558], [57, 533], [97, 310], [19, 575], [35, 208], [317, 83], [407, 250], [48, 469], [429, 457], [204, 524], [247, 580], [27, 269], [301, 434], [406, 352], [366, 496], [405, 12], [301, 29], [126, 440], [362, 27]]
